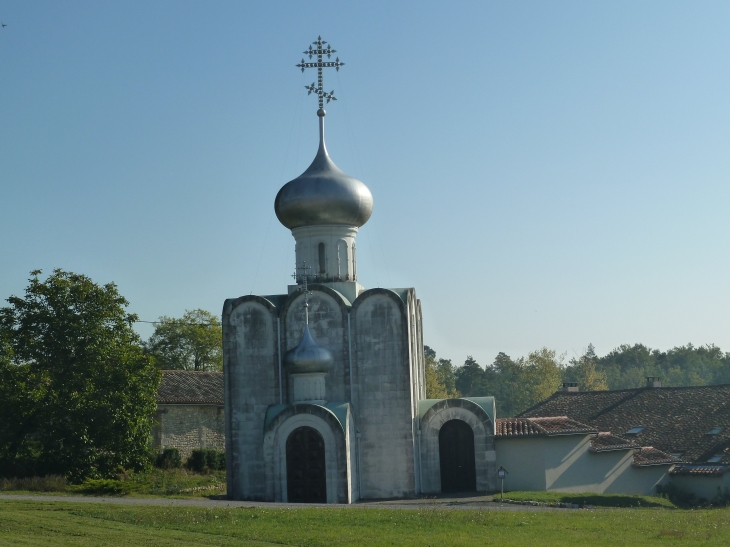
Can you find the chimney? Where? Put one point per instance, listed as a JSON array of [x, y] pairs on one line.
[[653, 381], [571, 387]]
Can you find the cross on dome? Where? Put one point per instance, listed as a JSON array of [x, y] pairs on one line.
[[319, 50], [302, 281]]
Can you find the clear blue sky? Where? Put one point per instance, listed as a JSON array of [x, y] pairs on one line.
[[544, 173]]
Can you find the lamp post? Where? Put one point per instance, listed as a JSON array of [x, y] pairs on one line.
[[501, 474]]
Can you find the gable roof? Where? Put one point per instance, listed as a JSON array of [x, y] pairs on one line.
[[699, 470], [649, 455], [190, 387], [605, 442], [675, 420], [541, 426]]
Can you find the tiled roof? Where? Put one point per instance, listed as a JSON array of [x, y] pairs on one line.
[[675, 420], [706, 470], [649, 455], [699, 470], [604, 442], [190, 387], [540, 426]]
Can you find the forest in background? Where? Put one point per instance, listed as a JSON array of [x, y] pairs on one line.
[[518, 384]]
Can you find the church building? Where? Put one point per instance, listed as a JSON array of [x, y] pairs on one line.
[[324, 384]]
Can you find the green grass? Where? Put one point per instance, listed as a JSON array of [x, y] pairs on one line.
[[599, 500], [70, 524], [154, 483]]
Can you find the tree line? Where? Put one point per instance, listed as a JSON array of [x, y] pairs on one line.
[[78, 385], [518, 384]]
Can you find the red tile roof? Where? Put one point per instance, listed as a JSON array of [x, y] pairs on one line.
[[699, 470], [604, 442], [649, 455], [677, 420], [190, 387], [540, 426]]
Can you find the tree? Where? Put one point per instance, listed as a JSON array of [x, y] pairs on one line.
[[542, 374], [78, 392], [193, 342], [440, 381], [519, 384], [470, 379], [584, 370]]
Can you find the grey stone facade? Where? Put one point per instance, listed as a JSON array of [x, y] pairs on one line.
[[190, 411], [187, 427], [377, 442]]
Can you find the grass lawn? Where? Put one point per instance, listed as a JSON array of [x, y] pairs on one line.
[[65, 523]]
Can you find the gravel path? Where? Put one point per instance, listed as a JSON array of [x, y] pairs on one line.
[[480, 503]]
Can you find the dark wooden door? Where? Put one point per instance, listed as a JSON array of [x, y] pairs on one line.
[[456, 451], [306, 479]]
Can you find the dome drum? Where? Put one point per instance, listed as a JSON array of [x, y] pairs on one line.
[[330, 251]]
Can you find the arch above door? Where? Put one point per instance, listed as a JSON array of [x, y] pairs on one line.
[[482, 428]]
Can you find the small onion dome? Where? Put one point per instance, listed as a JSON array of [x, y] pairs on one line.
[[323, 194], [308, 356]]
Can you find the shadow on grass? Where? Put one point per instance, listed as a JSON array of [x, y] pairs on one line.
[[596, 500]]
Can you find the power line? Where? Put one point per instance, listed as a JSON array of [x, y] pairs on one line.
[[176, 322]]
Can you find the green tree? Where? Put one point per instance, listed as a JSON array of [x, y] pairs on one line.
[[78, 392], [193, 342], [519, 384], [471, 380], [440, 381], [447, 376], [542, 374], [503, 379], [584, 370]]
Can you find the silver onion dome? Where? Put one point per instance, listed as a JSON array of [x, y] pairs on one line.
[[308, 356], [323, 194]]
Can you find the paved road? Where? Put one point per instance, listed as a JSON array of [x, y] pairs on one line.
[[479, 503]]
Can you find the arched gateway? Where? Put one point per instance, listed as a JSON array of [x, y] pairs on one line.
[[305, 467], [456, 455]]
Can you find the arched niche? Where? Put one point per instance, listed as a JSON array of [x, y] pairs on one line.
[[484, 455], [335, 449]]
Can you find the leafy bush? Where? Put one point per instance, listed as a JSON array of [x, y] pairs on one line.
[[169, 458], [51, 483], [722, 498], [100, 487], [206, 459], [682, 498]]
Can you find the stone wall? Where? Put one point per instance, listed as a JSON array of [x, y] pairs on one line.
[[187, 427], [383, 387], [250, 357]]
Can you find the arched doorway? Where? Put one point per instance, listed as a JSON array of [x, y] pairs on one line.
[[306, 481], [456, 452]]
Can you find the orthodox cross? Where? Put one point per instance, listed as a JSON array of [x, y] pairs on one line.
[[301, 279], [319, 50]]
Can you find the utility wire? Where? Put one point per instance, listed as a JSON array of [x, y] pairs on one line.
[[176, 322]]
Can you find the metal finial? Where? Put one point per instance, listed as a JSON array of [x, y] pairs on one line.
[[318, 48], [301, 280]]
